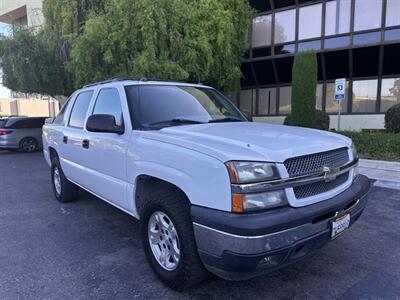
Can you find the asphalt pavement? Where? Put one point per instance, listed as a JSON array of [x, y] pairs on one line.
[[90, 250]]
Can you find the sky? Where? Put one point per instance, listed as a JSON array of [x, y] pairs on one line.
[[4, 29]]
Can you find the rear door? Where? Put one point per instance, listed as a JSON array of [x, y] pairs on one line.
[[70, 144], [105, 155]]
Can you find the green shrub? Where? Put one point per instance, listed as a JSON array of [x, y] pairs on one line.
[[380, 146], [392, 119], [304, 85], [321, 120]]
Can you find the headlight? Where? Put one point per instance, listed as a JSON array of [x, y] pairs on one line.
[[246, 172], [354, 151], [252, 202]]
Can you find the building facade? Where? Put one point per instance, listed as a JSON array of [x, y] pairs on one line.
[[22, 12], [355, 39]]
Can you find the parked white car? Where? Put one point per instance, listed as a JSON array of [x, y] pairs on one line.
[[213, 191]]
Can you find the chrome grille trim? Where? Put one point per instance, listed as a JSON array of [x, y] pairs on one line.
[[289, 182], [311, 163], [308, 164]]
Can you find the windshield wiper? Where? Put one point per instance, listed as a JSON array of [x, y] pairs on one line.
[[227, 119], [176, 121]]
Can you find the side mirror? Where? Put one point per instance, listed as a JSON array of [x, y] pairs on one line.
[[248, 116], [103, 123]]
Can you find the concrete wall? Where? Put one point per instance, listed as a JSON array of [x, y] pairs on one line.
[[22, 11], [348, 122], [30, 108]]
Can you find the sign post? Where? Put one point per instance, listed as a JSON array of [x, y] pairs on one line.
[[340, 95]]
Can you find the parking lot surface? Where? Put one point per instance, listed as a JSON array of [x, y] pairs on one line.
[[90, 250]]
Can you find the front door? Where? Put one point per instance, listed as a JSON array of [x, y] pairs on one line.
[[105, 153]]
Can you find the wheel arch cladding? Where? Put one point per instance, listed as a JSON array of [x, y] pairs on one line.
[[145, 183]]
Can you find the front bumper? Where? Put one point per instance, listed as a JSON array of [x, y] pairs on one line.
[[241, 246]]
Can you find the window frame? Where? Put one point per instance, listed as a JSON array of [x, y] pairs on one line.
[[120, 103], [73, 106]]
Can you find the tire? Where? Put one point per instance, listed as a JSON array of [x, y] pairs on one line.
[[64, 190], [188, 270], [28, 145]]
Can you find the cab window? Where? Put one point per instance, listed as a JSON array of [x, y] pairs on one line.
[[108, 103], [79, 110]]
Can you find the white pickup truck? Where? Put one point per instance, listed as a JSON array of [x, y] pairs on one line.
[[213, 190]]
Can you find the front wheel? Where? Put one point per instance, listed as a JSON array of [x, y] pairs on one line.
[[168, 239]]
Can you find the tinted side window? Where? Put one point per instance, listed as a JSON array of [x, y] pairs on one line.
[[79, 111], [38, 122], [59, 120], [3, 123], [108, 103]]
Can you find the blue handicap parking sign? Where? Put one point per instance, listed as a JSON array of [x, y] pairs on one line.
[[340, 89]]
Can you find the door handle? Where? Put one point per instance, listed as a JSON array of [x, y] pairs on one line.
[[85, 144], [65, 139]]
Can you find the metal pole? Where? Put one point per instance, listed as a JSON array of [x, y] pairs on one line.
[[339, 113]]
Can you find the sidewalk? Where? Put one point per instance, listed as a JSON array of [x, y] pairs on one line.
[[386, 173]]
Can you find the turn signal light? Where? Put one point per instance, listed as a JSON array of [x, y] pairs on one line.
[[237, 203]]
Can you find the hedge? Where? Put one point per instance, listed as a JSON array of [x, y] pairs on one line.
[[379, 146]]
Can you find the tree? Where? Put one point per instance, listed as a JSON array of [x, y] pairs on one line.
[[30, 64], [89, 40], [304, 85], [194, 40], [395, 90]]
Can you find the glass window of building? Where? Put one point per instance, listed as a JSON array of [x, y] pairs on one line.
[[261, 33], [368, 14], [337, 17], [310, 21], [390, 93], [392, 35], [319, 96], [285, 49], [364, 96], [267, 102], [332, 106], [338, 42], [393, 13], [285, 26], [312, 45], [285, 100], [367, 38], [246, 100]]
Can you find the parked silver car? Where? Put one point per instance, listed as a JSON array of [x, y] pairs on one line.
[[21, 133]]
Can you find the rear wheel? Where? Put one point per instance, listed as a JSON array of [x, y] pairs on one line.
[[28, 145], [168, 239], [64, 190]]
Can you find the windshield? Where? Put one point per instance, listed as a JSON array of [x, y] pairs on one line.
[[161, 106]]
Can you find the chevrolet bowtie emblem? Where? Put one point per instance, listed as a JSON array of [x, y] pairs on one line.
[[330, 173]]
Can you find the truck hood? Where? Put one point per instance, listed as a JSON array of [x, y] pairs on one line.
[[249, 141]]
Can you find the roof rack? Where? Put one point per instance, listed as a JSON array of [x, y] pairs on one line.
[[115, 79]]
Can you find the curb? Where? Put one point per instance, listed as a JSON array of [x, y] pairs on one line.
[[387, 184]]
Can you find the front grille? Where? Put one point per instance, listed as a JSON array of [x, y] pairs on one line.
[[321, 187], [314, 163]]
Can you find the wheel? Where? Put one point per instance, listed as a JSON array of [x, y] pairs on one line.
[[28, 145], [64, 190], [168, 239]]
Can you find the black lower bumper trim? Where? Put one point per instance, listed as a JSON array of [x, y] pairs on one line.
[[279, 219], [236, 266]]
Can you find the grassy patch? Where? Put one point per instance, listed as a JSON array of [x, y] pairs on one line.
[[380, 146]]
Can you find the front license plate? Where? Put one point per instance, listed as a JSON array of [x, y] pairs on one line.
[[340, 225]]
